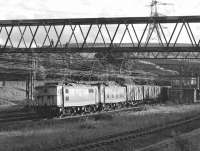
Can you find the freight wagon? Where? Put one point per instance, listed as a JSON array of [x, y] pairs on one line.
[[80, 98]]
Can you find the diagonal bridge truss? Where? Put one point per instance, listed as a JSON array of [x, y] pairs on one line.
[[179, 36]]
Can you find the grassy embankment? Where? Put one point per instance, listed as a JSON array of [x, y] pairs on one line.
[[179, 142], [40, 135]]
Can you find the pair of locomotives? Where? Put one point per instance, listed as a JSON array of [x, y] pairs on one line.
[[82, 98]]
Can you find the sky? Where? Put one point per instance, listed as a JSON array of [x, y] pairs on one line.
[[35, 9]]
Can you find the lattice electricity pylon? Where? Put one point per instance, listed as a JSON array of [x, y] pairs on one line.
[[154, 27], [92, 35], [154, 31]]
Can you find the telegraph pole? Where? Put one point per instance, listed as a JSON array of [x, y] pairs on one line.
[[31, 77]]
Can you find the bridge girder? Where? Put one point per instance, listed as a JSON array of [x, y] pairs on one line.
[[103, 35]]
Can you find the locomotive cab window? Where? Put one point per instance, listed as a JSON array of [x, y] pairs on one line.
[[66, 91]]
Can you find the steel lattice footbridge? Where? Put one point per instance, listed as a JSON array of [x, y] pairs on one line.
[[179, 36]]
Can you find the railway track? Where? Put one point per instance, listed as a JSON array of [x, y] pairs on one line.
[[125, 136], [136, 108], [21, 116], [17, 116]]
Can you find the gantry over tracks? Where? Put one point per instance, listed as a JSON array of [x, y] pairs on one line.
[[178, 36]]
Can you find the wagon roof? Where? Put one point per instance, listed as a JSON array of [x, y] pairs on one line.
[[78, 85]]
